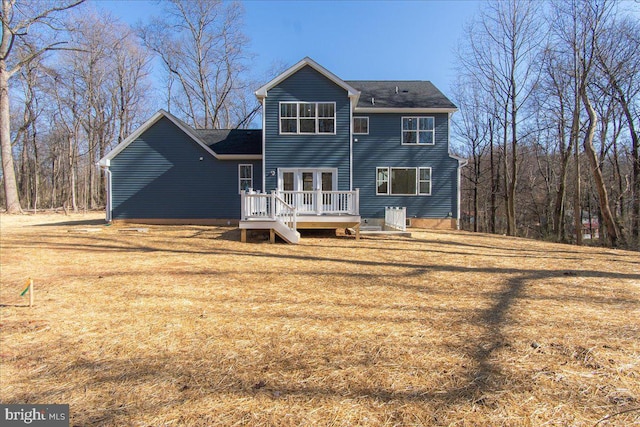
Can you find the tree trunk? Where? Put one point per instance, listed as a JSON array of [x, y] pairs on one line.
[[494, 180], [612, 230], [8, 171], [505, 160]]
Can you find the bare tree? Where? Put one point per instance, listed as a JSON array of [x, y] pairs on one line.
[[618, 58], [472, 126], [205, 51], [18, 22], [503, 48]]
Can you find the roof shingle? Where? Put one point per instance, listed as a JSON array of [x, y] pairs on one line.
[[399, 94], [232, 141]]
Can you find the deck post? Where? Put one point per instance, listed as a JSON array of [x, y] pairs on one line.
[[273, 205], [356, 204], [319, 201], [243, 215], [272, 235], [243, 235], [358, 232]]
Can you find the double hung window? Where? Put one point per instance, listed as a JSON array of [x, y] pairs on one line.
[[245, 177]]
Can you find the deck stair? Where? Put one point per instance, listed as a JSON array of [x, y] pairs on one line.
[[262, 211]]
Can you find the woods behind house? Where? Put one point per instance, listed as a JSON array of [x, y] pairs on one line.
[[548, 93]]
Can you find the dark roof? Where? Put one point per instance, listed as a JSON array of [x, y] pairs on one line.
[[232, 141], [409, 94]]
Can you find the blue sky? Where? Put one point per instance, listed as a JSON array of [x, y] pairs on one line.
[[356, 40]]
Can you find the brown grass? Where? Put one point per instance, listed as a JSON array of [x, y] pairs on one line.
[[185, 325]]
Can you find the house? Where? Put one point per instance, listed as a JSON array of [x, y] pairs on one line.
[[331, 154]]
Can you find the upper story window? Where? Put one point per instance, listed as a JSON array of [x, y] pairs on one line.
[[361, 125], [307, 117], [418, 130]]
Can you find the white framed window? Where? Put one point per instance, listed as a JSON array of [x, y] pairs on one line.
[[424, 181], [361, 125], [403, 181], [245, 177], [307, 118], [288, 117], [418, 130], [382, 180]]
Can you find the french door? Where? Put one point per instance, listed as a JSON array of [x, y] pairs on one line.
[[307, 179], [301, 186]]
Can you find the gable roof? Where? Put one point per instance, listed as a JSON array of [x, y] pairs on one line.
[[401, 95], [228, 151], [354, 94]]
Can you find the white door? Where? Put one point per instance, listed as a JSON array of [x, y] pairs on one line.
[[305, 183]]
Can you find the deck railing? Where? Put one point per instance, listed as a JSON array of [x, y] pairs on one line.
[[257, 206], [323, 202], [395, 218]]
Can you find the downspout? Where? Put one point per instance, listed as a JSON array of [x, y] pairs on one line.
[[264, 137], [461, 164], [109, 200], [350, 144]]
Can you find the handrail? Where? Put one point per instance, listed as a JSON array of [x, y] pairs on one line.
[[320, 202], [256, 205]]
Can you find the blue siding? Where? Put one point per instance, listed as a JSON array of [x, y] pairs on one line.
[[160, 175], [307, 151], [383, 148]]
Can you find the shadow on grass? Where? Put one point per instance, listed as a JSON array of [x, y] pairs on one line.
[[75, 223], [482, 376]]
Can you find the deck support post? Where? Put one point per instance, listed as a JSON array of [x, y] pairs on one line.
[[358, 232], [272, 235], [243, 235]]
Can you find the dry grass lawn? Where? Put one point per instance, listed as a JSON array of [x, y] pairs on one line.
[[186, 326]]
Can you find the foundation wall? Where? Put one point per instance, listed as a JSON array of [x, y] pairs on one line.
[[178, 221], [434, 223]]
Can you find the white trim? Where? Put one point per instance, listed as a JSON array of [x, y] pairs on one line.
[[109, 201], [417, 131], [106, 160], [352, 92], [354, 125], [264, 143], [238, 156], [388, 181], [240, 178], [459, 159], [351, 145], [298, 118], [407, 110], [430, 181], [317, 178]]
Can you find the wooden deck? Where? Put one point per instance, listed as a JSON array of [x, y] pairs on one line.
[[272, 212]]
